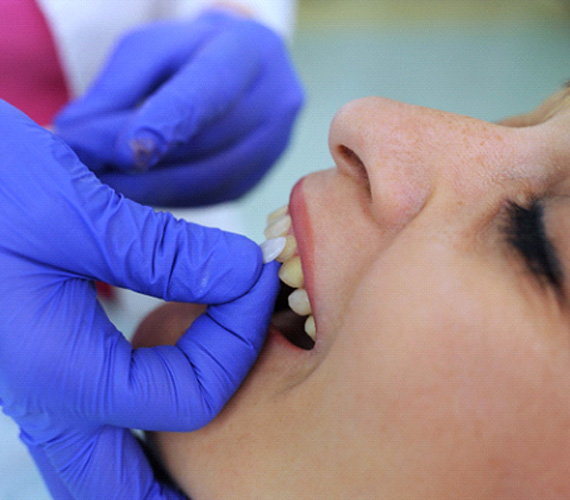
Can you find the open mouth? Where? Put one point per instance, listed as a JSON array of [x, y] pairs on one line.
[[293, 313], [288, 323]]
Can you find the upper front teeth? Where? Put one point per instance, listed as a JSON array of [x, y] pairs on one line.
[[291, 272], [280, 212], [289, 249], [278, 227], [299, 302]]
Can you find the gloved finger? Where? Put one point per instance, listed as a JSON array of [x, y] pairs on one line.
[[224, 176], [223, 360], [68, 220], [206, 88], [249, 114], [172, 387], [57, 488], [93, 139], [236, 125], [106, 462], [137, 66], [273, 102], [158, 255], [140, 62]]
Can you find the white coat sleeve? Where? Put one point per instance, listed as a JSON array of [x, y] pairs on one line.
[[277, 14], [85, 31]]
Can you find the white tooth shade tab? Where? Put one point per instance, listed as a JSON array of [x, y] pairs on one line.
[[310, 327], [279, 227], [291, 273], [299, 302], [289, 249], [280, 212], [272, 248]]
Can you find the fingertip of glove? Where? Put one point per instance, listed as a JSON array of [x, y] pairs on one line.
[[270, 277], [248, 256], [140, 150], [247, 261]]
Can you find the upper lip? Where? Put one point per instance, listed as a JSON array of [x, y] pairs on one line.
[[302, 229]]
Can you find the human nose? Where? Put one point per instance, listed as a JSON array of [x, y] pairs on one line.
[[405, 153], [377, 143]]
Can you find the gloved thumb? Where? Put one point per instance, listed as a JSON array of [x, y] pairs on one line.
[[133, 246]]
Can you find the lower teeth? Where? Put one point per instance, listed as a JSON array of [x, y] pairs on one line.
[[291, 327]]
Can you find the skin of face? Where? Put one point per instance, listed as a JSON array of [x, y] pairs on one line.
[[442, 363]]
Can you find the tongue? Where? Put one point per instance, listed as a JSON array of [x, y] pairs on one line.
[[291, 326]]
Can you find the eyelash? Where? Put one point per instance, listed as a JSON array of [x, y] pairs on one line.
[[526, 233]]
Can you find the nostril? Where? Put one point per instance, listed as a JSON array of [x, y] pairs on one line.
[[350, 156], [353, 164]]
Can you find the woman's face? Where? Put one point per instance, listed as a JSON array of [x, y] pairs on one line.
[[441, 367]]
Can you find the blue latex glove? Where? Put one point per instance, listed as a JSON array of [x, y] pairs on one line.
[[187, 113], [67, 376]]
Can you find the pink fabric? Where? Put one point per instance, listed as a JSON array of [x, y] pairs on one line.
[[31, 77]]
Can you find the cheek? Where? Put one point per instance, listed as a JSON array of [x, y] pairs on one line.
[[444, 375]]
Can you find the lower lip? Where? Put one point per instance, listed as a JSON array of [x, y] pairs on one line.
[[279, 358]]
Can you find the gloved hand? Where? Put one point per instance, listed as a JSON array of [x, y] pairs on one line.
[[187, 113], [67, 376]]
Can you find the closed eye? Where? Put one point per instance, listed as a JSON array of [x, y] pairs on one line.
[[525, 231]]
